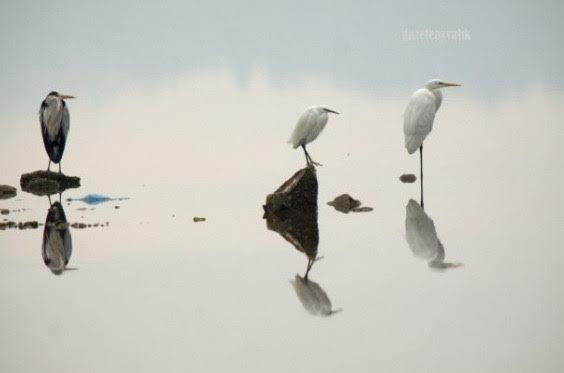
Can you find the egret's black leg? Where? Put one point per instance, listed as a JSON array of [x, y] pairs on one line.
[[49, 166], [49, 197], [421, 174], [308, 158], [59, 168], [309, 265]]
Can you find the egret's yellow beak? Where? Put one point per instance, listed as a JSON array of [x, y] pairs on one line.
[[451, 84], [64, 97]]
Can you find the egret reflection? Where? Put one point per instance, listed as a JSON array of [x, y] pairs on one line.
[[57, 242], [313, 298], [422, 238]]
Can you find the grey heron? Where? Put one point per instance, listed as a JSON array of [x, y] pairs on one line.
[[55, 123]]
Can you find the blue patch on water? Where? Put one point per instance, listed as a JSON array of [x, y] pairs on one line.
[[96, 199]]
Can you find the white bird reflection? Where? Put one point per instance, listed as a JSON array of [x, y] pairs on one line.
[[313, 298], [422, 238], [57, 242]]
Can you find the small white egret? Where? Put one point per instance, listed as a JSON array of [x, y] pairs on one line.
[[309, 126], [55, 123], [419, 116]]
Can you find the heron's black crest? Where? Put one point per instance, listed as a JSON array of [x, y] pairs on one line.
[[53, 93]]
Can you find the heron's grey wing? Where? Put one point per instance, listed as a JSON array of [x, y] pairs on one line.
[[65, 124], [67, 245], [302, 129], [418, 119]]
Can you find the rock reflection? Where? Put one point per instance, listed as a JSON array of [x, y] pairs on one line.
[[422, 237], [292, 212], [57, 241]]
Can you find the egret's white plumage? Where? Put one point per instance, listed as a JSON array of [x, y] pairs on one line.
[[420, 113], [310, 124], [419, 117], [55, 124]]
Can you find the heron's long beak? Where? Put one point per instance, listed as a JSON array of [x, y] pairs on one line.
[[64, 97], [451, 84], [331, 111]]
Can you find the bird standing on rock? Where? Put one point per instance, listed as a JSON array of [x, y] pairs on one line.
[[55, 123], [309, 126]]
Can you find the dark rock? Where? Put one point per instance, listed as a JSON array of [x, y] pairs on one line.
[[408, 178], [7, 191], [292, 212], [298, 191], [43, 183], [344, 203], [198, 219], [4, 211]]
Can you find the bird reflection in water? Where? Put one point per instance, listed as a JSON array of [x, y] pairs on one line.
[[57, 241], [422, 238], [292, 212]]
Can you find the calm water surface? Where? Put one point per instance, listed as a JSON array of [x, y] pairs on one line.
[[185, 108], [156, 291]]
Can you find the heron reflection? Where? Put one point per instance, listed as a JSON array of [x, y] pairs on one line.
[[57, 242], [422, 238], [292, 212]]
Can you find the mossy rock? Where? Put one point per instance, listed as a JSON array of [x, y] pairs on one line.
[[44, 183]]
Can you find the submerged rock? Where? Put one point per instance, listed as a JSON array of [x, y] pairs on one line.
[[7, 191], [344, 203], [408, 178], [42, 183], [362, 209]]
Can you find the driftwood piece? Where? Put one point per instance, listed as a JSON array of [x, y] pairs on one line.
[[44, 183]]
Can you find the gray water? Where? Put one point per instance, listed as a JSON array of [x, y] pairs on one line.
[[154, 291]]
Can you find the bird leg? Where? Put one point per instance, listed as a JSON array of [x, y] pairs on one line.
[[59, 168], [421, 174], [49, 166], [310, 161]]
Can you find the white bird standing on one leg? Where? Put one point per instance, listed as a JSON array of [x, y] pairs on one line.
[[55, 123], [309, 126], [419, 115]]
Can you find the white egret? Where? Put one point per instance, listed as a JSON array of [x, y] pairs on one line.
[[419, 116], [55, 123], [309, 126]]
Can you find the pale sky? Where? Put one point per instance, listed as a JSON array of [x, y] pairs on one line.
[[95, 48]]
